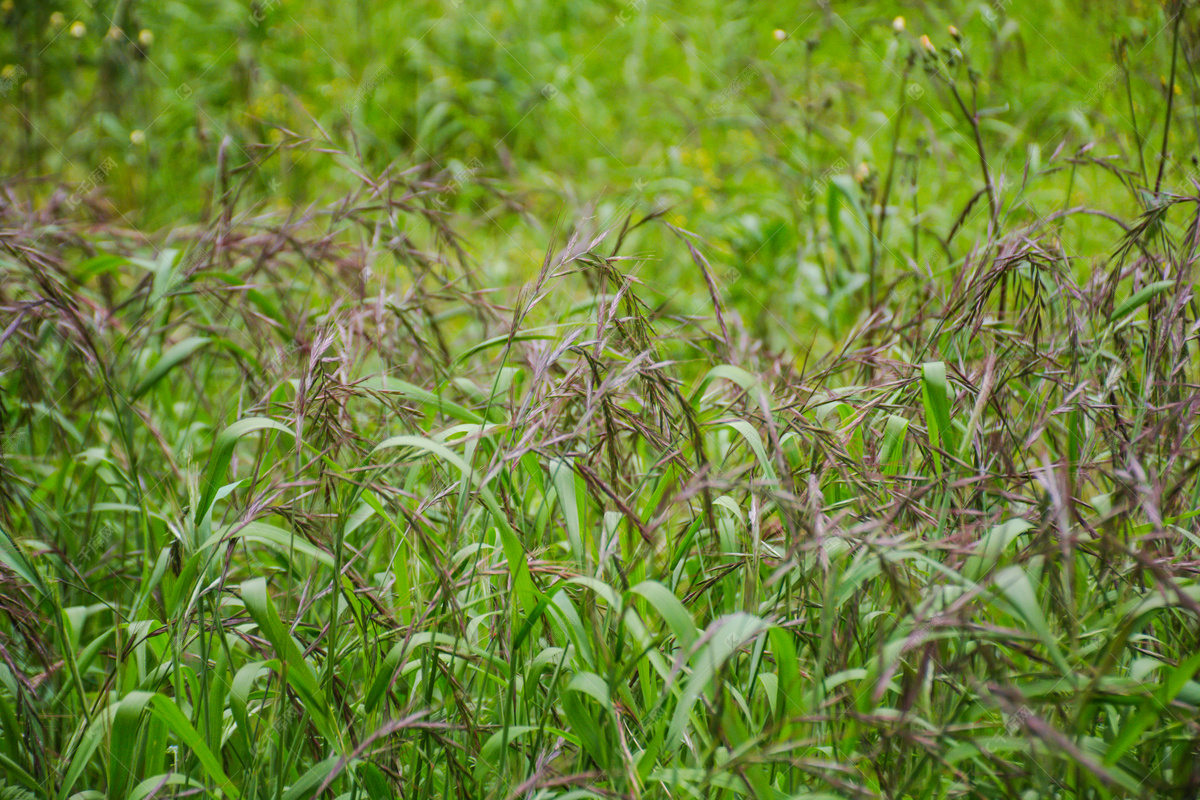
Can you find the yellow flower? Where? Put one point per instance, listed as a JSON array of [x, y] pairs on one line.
[[57, 19], [78, 29], [780, 34], [927, 46], [145, 37], [9, 72], [137, 137], [862, 172], [898, 24], [6, 6]]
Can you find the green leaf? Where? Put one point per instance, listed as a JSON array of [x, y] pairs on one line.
[[562, 473], [993, 544], [171, 358], [277, 538], [936, 393], [1139, 299], [721, 640], [1015, 585], [738, 376], [513, 549], [891, 450], [1152, 708], [300, 674], [756, 445], [311, 780], [127, 726], [13, 557], [218, 463], [671, 610], [434, 402]]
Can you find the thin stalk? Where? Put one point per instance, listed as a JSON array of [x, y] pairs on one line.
[[881, 217], [973, 118], [1137, 136], [1162, 162], [916, 201]]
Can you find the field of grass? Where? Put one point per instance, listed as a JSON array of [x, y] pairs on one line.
[[519, 400]]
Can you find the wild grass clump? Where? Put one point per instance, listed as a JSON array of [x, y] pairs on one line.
[[870, 497], [294, 508]]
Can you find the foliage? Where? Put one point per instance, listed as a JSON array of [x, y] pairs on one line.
[[867, 470]]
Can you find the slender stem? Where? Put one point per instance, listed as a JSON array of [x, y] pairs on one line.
[[1162, 163], [916, 201], [1137, 136], [973, 118], [881, 218]]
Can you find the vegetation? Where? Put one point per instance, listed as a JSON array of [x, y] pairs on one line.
[[599, 400]]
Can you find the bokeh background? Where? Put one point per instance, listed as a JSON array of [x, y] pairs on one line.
[[767, 129]]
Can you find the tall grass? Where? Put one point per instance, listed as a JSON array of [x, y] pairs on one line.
[[264, 538], [311, 503]]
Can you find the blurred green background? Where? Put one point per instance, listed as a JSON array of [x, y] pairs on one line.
[[767, 129]]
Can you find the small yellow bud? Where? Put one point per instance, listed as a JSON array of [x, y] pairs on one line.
[[927, 46], [136, 137], [6, 6], [145, 37], [78, 29], [898, 24], [954, 34], [57, 19], [862, 172], [113, 33], [780, 35]]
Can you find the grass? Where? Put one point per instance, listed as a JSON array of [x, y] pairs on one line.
[[875, 478]]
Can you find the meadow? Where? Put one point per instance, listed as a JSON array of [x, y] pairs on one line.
[[599, 399]]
